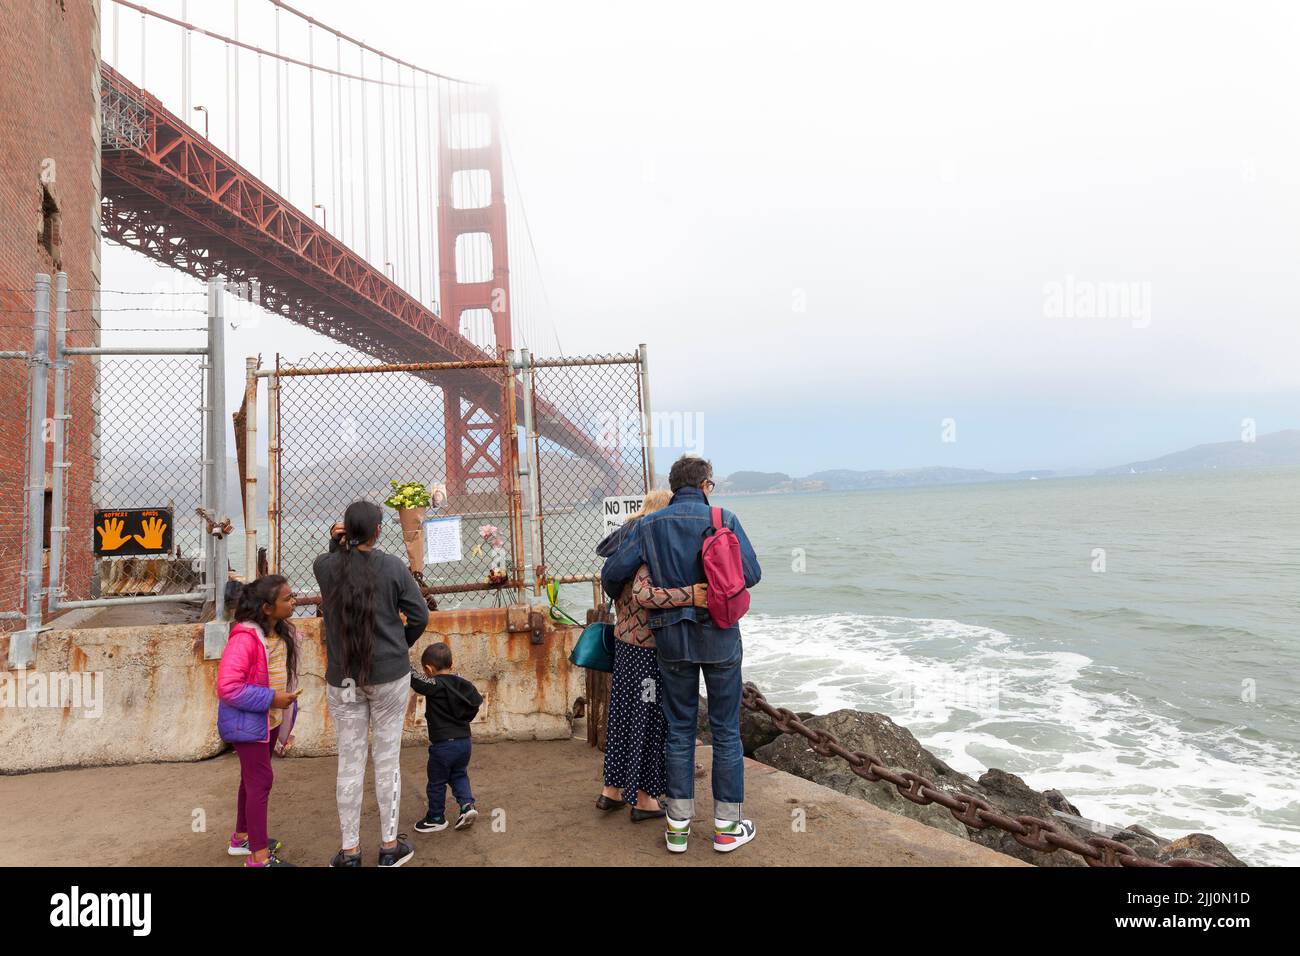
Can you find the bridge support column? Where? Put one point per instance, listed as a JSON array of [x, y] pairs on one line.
[[472, 238]]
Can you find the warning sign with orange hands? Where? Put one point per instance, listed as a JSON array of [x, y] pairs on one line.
[[133, 531]]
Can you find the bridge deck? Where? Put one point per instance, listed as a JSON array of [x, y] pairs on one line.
[[170, 194]]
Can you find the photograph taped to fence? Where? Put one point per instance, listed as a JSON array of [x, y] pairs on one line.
[[125, 532]]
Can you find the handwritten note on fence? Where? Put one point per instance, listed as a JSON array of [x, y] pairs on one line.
[[442, 540]]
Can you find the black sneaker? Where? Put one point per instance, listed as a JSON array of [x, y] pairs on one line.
[[467, 817], [346, 859], [271, 860], [396, 855], [431, 824]]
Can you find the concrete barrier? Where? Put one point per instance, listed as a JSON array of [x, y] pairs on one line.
[[124, 695]]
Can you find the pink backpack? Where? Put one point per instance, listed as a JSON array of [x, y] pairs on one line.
[[724, 571]]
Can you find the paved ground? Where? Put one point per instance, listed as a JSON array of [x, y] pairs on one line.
[[536, 801]]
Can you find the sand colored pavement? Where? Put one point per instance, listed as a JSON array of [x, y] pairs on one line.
[[536, 800]]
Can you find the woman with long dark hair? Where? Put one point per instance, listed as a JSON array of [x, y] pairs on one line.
[[364, 593]]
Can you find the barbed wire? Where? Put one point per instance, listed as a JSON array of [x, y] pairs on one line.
[[1032, 832]]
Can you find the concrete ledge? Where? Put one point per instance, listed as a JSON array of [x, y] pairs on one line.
[[125, 695]]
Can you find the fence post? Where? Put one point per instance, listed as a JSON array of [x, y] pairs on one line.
[[534, 493], [647, 430], [214, 632], [59, 426], [249, 496], [510, 465], [273, 469], [22, 645]]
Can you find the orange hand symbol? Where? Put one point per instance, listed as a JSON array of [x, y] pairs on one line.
[[153, 534], [110, 536]]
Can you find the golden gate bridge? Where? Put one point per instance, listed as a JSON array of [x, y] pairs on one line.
[[361, 195]]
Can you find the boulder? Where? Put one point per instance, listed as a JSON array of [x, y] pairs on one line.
[[1198, 846], [1141, 841], [1056, 800], [900, 750], [875, 734], [756, 729], [1015, 798]]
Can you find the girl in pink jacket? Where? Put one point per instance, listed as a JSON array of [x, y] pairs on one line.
[[257, 701]]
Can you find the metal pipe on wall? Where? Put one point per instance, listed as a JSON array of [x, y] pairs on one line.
[[40, 367], [59, 426]]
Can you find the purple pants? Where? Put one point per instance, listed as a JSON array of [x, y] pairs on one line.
[[255, 778]]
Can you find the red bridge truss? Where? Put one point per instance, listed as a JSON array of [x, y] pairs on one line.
[[169, 193]]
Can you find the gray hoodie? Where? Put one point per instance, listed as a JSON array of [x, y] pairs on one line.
[[395, 590]]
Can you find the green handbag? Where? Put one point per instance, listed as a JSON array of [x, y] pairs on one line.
[[595, 648]]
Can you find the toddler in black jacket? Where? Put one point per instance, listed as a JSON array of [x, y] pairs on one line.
[[450, 703]]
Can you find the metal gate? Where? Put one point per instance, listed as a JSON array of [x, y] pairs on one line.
[[341, 427], [153, 427]]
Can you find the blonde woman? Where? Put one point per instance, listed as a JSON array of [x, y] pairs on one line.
[[634, 744]]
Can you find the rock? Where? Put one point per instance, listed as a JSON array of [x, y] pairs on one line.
[[756, 729], [875, 734], [1056, 800], [1008, 793], [1143, 831], [1141, 841], [1198, 846], [1015, 798]]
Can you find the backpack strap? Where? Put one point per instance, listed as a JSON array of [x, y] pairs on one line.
[[716, 514]]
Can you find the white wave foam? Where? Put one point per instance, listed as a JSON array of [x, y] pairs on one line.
[[977, 700]]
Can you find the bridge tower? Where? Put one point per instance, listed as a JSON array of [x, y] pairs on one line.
[[474, 274]]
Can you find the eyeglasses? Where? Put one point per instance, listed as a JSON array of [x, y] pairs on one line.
[[709, 483]]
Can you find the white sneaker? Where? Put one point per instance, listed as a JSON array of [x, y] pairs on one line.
[[733, 837], [467, 817], [677, 835]]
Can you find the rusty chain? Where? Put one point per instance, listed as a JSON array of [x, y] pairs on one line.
[[976, 813]]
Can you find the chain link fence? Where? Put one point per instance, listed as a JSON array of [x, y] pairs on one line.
[[121, 428], [146, 441], [590, 446], [349, 425]]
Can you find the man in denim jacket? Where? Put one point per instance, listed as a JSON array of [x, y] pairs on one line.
[[688, 643]]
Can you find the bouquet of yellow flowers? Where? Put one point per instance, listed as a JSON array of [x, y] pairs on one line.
[[407, 494], [411, 499]]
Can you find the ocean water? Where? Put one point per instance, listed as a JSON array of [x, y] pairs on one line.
[[1130, 640]]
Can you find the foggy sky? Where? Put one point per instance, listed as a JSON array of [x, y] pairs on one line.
[[836, 225]]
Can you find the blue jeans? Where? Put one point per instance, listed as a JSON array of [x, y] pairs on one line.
[[448, 764], [681, 707]]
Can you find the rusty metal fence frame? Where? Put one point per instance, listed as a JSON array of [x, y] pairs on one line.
[[555, 396], [425, 376], [587, 391]]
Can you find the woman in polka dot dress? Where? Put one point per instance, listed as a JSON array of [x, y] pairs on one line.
[[634, 743]]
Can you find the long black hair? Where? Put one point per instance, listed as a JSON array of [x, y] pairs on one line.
[[251, 607], [350, 605]]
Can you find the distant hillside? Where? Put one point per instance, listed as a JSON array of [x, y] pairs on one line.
[[1274, 450], [843, 479], [742, 481]]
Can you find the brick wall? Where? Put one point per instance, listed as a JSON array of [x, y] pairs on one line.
[[49, 152]]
